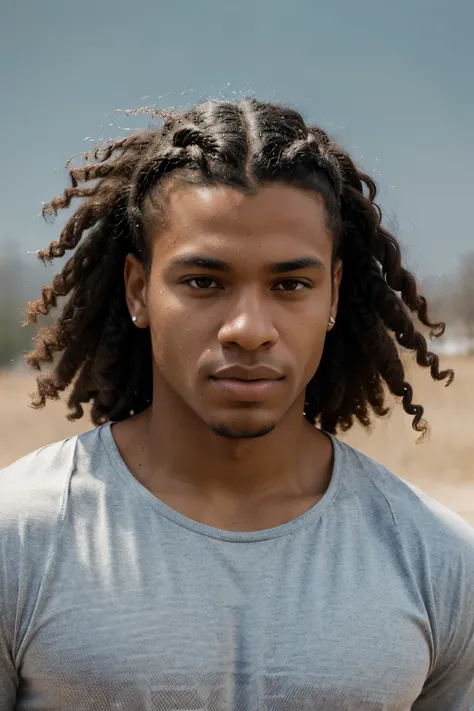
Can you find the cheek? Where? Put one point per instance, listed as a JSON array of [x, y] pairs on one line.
[[311, 344], [174, 331], [305, 338]]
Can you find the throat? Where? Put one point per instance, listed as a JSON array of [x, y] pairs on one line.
[[248, 487]]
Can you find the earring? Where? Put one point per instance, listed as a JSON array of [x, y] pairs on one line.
[[331, 322], [134, 319]]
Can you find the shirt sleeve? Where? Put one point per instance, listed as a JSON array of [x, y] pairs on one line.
[[450, 688], [8, 674], [9, 554], [450, 685], [29, 508]]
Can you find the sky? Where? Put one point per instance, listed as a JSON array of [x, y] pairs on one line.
[[391, 81]]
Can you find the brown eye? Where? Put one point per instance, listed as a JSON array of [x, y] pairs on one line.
[[202, 282], [291, 285]]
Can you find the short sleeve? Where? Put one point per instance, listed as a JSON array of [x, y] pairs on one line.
[[8, 674], [29, 512], [450, 686], [8, 596]]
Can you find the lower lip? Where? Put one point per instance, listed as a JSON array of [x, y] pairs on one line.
[[247, 390]]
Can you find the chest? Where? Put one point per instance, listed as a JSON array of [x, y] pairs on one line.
[[220, 628]]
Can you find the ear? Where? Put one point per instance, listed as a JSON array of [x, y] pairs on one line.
[[136, 283], [336, 283]]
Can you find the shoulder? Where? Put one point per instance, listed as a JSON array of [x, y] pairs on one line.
[[35, 492], [420, 522], [36, 481], [35, 488]]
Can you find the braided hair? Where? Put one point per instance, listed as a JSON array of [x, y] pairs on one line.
[[93, 346]]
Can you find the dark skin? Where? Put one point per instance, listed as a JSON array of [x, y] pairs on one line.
[[224, 451]]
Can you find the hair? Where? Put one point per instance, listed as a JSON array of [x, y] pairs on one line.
[[93, 345]]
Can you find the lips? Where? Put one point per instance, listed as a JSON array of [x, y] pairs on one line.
[[245, 384], [241, 372]]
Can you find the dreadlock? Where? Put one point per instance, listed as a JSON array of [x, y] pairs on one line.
[[240, 144]]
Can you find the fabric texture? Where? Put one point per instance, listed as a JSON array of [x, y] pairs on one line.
[[109, 599]]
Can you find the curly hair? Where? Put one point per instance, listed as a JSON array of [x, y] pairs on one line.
[[93, 345]]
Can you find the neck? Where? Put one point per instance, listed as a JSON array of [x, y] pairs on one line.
[[182, 451]]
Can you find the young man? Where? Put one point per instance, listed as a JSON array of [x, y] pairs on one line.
[[206, 546]]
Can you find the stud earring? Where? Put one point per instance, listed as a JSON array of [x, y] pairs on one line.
[[331, 322], [134, 319]]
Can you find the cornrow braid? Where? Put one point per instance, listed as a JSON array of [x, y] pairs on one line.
[[95, 350]]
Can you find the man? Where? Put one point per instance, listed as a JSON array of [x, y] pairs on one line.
[[234, 302]]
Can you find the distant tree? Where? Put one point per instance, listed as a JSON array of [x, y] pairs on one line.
[[441, 292], [465, 293], [14, 340]]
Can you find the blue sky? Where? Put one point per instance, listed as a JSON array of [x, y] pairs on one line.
[[392, 81]]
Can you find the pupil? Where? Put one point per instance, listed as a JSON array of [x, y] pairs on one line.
[[204, 282]]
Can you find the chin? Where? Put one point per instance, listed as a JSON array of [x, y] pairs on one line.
[[248, 421], [244, 430]]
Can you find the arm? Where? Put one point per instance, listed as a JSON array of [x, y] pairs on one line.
[[8, 673], [8, 598], [21, 552], [450, 686], [32, 498]]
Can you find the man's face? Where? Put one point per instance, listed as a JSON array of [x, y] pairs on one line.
[[238, 300]]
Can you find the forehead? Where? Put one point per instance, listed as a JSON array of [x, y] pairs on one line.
[[279, 218]]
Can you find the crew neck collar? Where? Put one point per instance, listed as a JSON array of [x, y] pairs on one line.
[[107, 440]]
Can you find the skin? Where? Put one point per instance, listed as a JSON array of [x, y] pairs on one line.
[[230, 454]]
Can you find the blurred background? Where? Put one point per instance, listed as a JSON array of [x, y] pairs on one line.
[[392, 82]]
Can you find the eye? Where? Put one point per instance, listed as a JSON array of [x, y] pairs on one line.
[[291, 285], [202, 282]]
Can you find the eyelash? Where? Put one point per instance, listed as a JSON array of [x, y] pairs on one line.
[[188, 282], [300, 282]]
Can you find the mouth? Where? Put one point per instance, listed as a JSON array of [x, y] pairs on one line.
[[247, 390]]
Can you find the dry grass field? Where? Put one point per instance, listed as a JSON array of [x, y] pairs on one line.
[[442, 465]]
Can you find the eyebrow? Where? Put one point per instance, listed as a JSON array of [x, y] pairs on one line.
[[290, 265], [294, 265], [201, 263]]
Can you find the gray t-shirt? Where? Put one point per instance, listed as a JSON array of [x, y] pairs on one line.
[[112, 600]]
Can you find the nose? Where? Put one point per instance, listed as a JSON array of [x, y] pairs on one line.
[[249, 325]]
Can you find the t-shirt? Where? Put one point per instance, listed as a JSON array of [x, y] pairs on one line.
[[111, 599]]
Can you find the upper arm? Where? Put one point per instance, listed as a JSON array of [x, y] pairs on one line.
[[452, 689], [8, 672], [450, 685], [8, 675], [33, 490]]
